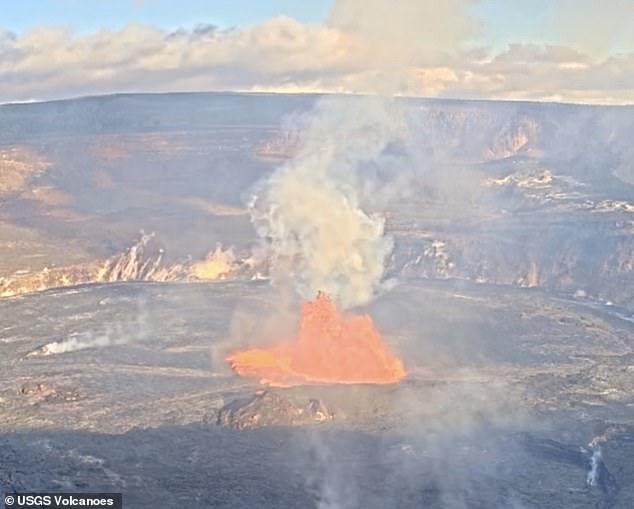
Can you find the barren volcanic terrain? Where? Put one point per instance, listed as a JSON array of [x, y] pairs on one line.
[[130, 272]]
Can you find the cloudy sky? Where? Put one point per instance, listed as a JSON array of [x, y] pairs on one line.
[[555, 50]]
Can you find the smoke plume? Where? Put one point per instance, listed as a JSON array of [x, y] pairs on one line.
[[312, 213], [119, 332]]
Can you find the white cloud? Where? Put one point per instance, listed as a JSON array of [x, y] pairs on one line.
[[346, 55]]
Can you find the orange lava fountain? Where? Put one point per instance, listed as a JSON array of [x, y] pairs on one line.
[[330, 348]]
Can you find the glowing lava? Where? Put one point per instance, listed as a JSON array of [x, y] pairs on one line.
[[330, 348]]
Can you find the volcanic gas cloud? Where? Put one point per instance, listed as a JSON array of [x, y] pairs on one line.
[[330, 347]]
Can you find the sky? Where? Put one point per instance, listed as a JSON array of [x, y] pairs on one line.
[[508, 20], [90, 15], [547, 50]]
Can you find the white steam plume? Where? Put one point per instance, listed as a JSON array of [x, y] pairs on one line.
[[592, 479], [120, 332], [80, 342], [310, 211]]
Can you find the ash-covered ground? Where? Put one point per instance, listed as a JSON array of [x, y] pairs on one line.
[[509, 300], [509, 395]]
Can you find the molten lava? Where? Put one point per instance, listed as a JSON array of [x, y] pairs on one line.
[[330, 348]]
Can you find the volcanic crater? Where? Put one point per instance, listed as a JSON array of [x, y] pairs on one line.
[[494, 371]]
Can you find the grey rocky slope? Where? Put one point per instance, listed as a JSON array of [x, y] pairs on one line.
[[507, 193]]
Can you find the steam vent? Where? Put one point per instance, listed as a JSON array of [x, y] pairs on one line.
[[330, 347]]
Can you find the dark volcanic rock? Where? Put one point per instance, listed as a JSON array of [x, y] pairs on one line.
[[591, 460], [267, 408]]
